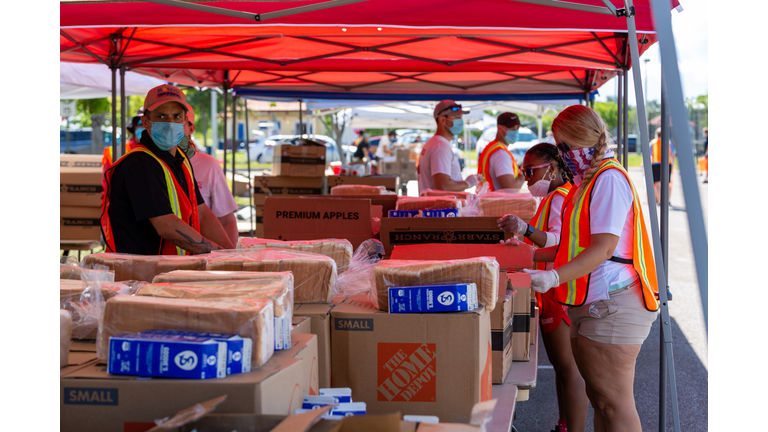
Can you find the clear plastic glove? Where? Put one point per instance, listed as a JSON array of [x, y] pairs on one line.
[[474, 179], [510, 242], [513, 224], [543, 280]]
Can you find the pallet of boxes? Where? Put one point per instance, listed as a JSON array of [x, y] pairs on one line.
[[80, 182], [403, 165]]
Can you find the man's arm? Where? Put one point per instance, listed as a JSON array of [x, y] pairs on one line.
[[229, 223], [211, 228], [443, 182], [509, 181], [171, 228]]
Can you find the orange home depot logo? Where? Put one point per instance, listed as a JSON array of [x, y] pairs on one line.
[[407, 372]]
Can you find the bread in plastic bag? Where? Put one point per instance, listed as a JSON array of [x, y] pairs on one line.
[[248, 318], [65, 329], [339, 250], [360, 190], [483, 271], [359, 278], [428, 203], [314, 275], [498, 204], [441, 193], [144, 267], [69, 271], [85, 299]]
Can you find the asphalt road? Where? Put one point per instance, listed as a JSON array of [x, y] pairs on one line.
[[689, 342]]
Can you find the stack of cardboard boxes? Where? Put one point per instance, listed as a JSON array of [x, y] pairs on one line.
[[80, 182], [402, 166]]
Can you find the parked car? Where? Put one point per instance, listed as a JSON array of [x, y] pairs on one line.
[[80, 141], [263, 154], [525, 141]]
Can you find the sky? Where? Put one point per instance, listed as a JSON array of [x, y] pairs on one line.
[[690, 29]]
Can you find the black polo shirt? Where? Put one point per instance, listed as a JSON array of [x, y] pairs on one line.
[[138, 192]]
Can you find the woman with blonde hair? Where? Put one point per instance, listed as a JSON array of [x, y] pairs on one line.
[[603, 268]]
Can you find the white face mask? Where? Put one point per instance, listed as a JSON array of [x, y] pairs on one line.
[[541, 187]]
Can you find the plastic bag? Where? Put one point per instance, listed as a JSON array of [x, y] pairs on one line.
[[69, 271], [472, 206], [314, 275], [438, 193], [85, 299], [359, 278], [144, 267], [498, 204], [339, 250], [69, 260], [428, 203], [248, 318], [352, 189], [483, 271]]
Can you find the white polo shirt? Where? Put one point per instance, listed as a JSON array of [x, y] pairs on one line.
[[437, 158]]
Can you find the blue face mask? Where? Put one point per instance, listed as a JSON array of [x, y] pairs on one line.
[[458, 126], [138, 132], [511, 136], [167, 135]]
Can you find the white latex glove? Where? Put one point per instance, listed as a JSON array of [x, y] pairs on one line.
[[512, 241], [513, 224], [474, 179], [543, 280]]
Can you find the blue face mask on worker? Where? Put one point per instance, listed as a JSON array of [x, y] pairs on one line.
[[511, 136], [458, 126], [138, 132], [167, 135]]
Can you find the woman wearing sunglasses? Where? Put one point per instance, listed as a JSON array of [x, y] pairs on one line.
[[603, 268], [547, 178]]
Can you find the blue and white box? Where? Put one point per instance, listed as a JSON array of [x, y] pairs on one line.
[[311, 402], [340, 394], [403, 213], [167, 356], [447, 212], [433, 298], [283, 332], [349, 409], [326, 416], [239, 349]]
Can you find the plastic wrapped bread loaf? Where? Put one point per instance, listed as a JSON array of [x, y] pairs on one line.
[[358, 190], [339, 250], [439, 193], [249, 318], [427, 203], [67, 271], [497, 204], [483, 271], [314, 275], [144, 267], [65, 329], [85, 301]]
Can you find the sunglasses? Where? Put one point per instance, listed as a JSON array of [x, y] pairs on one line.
[[453, 108], [528, 171]]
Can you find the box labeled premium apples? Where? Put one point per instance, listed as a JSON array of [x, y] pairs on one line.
[[167, 356], [433, 298], [239, 349]]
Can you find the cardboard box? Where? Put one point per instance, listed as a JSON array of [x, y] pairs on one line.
[[80, 180], [320, 325], [317, 218], [387, 202], [299, 160], [521, 310], [535, 327], [92, 400], [301, 325], [449, 230], [501, 345], [508, 257], [266, 186], [501, 316], [391, 182], [417, 364], [80, 223], [304, 347]]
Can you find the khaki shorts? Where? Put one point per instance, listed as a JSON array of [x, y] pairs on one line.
[[620, 320]]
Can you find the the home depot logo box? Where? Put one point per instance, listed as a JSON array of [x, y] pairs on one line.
[[421, 364]]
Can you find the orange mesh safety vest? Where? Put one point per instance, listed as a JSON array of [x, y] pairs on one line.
[[183, 206], [483, 165], [656, 151], [575, 236], [541, 218]]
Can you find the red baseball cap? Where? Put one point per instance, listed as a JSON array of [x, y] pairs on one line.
[[190, 114], [162, 94]]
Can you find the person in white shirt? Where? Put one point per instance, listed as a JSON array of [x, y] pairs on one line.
[[210, 180], [496, 163], [438, 167]]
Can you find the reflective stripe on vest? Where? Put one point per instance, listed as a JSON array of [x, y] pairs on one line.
[[575, 237], [173, 188], [540, 220], [484, 166]]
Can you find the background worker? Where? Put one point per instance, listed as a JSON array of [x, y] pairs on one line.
[[610, 287], [546, 175], [496, 163], [656, 166], [363, 149], [438, 167], [153, 205], [210, 180]]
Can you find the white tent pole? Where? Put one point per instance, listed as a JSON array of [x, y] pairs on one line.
[[123, 109], [114, 113], [214, 120], [619, 117]]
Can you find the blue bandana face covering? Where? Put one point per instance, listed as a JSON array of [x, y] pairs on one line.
[[167, 135], [458, 126], [511, 136]]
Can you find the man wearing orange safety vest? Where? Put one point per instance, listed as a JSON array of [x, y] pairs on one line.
[[496, 163], [153, 205], [656, 165]]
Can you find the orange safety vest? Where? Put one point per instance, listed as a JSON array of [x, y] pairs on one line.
[[575, 236], [484, 167], [541, 218], [183, 206], [656, 151]]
